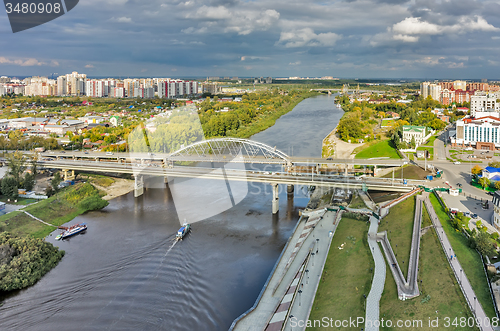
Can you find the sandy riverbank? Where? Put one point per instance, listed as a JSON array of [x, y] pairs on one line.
[[119, 187], [337, 148]]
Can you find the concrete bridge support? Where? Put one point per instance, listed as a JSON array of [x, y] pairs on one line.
[[276, 199], [289, 189], [66, 174], [138, 186]]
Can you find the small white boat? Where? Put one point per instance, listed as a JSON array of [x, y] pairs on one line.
[[185, 228]]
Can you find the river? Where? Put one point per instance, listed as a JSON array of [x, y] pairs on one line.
[[126, 273]]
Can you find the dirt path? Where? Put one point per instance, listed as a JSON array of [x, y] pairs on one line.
[[342, 149], [119, 187]]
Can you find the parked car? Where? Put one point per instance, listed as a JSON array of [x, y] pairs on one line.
[[456, 162], [474, 216]]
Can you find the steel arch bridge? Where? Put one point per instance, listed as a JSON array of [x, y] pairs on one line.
[[221, 147]]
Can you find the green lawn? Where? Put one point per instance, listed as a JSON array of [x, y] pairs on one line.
[[340, 292], [441, 296], [430, 142], [469, 259], [380, 149], [387, 122], [55, 210], [399, 226]]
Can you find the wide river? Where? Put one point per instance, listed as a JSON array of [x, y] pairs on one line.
[[125, 273]]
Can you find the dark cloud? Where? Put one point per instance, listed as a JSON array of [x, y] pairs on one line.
[[242, 38]]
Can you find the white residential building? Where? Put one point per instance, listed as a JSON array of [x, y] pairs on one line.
[[484, 102], [479, 132]]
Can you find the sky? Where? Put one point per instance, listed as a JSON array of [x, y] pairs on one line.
[[423, 39]]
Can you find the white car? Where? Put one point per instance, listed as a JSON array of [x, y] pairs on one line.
[[456, 162]]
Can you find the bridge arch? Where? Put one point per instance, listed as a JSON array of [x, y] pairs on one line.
[[231, 146]]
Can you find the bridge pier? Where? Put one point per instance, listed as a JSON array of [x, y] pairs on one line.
[[289, 189], [374, 170], [138, 186], [276, 199], [66, 176]]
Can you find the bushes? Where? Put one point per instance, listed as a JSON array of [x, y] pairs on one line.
[[24, 261], [93, 202]]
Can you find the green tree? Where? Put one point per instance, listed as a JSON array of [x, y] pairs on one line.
[[484, 244], [497, 185], [56, 181], [28, 181], [9, 187], [16, 163], [484, 182]]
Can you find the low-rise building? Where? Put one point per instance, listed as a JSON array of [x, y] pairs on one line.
[[411, 132]]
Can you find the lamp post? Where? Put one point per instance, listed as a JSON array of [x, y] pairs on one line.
[[460, 276], [300, 297], [474, 305], [307, 273], [317, 244], [312, 259]]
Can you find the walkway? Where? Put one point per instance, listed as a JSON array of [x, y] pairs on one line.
[[278, 286], [372, 302], [36, 218], [463, 281]]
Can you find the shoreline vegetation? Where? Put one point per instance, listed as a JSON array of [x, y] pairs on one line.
[[24, 255]]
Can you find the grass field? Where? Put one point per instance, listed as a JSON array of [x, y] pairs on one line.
[[469, 260], [100, 180], [380, 149], [441, 296], [430, 142], [399, 226], [340, 292], [387, 122], [55, 210], [410, 171]]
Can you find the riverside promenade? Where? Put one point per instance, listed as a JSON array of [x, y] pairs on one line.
[[290, 290]]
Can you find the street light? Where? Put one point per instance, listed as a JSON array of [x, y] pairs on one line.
[[300, 297], [460, 276], [312, 259], [474, 305], [317, 243], [307, 273]]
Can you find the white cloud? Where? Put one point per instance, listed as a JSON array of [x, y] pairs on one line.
[[307, 37], [412, 26], [89, 66], [30, 62], [122, 19], [296, 63]]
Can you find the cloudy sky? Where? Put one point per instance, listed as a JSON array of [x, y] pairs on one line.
[[279, 38]]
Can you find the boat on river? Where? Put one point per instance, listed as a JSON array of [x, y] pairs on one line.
[[71, 231], [185, 228]]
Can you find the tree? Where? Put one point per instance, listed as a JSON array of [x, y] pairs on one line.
[[56, 181], [494, 164], [476, 170], [28, 182], [497, 185], [17, 165], [484, 244], [484, 182], [9, 187]]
